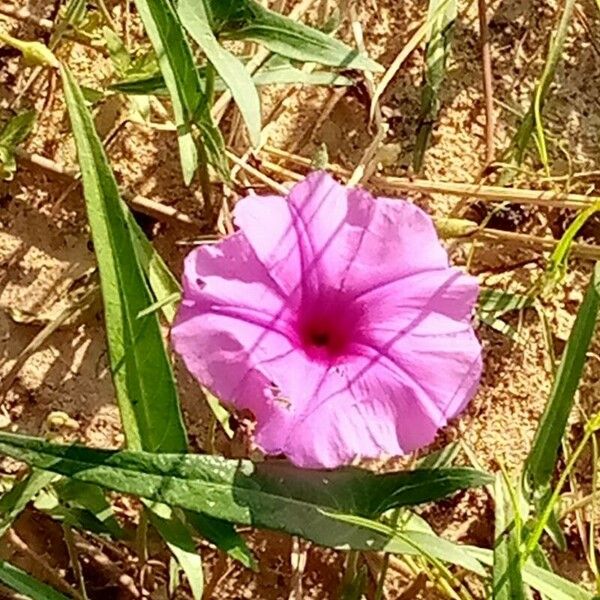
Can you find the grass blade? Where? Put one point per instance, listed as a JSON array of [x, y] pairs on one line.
[[558, 261], [272, 495], [532, 119], [180, 543], [223, 535], [417, 542], [176, 63], [195, 19], [277, 71], [542, 458], [551, 585], [441, 16], [27, 585], [507, 578], [16, 499], [142, 373]]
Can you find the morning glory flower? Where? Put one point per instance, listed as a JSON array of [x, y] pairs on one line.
[[335, 318]]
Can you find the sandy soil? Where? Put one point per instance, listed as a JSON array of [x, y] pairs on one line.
[[42, 243]]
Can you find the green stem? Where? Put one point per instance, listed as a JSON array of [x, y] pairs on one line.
[[386, 560], [536, 534], [204, 174], [209, 90]]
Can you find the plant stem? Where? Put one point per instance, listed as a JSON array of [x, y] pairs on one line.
[[386, 560], [141, 540], [209, 90], [74, 558], [536, 534], [203, 170]]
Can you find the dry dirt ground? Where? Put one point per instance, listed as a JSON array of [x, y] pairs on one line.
[[44, 240]]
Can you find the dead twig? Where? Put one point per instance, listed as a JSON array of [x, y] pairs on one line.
[[488, 89], [79, 306], [141, 204], [51, 575], [485, 193]]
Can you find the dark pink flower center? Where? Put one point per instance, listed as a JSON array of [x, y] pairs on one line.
[[328, 327]]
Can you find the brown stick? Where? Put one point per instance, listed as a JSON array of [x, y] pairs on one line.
[[144, 205], [488, 89], [49, 573], [485, 193]]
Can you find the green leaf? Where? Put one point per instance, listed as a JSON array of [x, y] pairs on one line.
[[25, 584], [195, 19], [16, 499], [441, 458], [223, 535], [495, 303], [272, 495], [282, 35], [279, 70], [551, 585], [273, 72], [532, 119], [185, 88], [91, 498], [441, 16], [542, 457], [507, 580], [221, 414], [163, 283], [180, 542], [558, 261], [17, 129], [118, 53], [14, 132], [404, 540], [141, 369]]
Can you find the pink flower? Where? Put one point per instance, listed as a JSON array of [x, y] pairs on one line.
[[336, 320]]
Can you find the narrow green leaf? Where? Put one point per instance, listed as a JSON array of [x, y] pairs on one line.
[[441, 16], [118, 53], [551, 585], [558, 261], [542, 458], [195, 19], [142, 372], [163, 283], [507, 577], [16, 499], [282, 35], [495, 303], [223, 535], [24, 583], [176, 64], [273, 495], [185, 88], [441, 458], [279, 72], [532, 119], [427, 544], [18, 128], [180, 542], [92, 499]]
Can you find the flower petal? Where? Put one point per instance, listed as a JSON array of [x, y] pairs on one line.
[[362, 410], [421, 327], [231, 320], [327, 235]]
